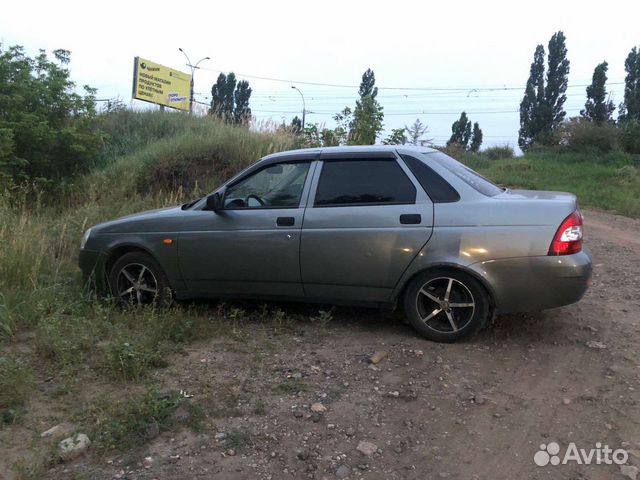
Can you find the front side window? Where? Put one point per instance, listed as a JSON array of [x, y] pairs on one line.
[[275, 186], [363, 182]]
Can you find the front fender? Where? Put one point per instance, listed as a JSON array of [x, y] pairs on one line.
[[163, 247]]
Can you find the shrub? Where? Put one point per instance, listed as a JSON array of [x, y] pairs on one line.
[[47, 130], [454, 150], [630, 136], [580, 135], [499, 152]]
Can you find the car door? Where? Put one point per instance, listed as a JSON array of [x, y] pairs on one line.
[[252, 246], [366, 221]]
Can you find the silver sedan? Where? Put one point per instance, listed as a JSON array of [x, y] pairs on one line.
[[377, 226]]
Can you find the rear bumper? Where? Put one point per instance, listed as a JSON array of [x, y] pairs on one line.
[[92, 266], [536, 283]]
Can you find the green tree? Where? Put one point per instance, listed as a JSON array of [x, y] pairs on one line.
[[630, 108], [296, 125], [230, 99], [461, 132], [542, 107], [398, 137], [476, 138], [222, 97], [367, 116], [530, 106], [557, 81], [343, 121], [367, 122], [315, 136], [241, 110], [47, 130], [368, 85], [416, 131], [597, 108]]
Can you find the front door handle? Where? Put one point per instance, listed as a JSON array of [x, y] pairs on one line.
[[410, 219], [286, 221]]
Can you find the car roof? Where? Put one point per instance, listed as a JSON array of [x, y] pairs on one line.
[[350, 150]]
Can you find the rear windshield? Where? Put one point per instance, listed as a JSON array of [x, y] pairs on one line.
[[465, 174]]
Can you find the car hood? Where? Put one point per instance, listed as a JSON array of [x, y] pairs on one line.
[[159, 220]]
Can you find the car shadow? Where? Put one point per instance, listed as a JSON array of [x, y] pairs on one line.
[[535, 327], [369, 319]]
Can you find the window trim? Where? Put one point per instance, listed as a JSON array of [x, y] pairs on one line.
[[258, 170], [360, 158], [435, 174]]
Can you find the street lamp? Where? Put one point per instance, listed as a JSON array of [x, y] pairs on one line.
[[304, 109], [193, 71]]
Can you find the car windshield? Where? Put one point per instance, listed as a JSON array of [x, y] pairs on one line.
[[464, 173]]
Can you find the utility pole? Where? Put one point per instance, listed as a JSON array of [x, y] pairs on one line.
[[304, 109], [193, 71]]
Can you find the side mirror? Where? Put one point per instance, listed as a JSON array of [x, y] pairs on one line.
[[215, 201]]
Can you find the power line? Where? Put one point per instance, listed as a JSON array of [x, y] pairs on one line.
[[438, 89]]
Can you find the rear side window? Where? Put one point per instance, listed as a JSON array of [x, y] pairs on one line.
[[363, 182], [464, 173], [436, 187]]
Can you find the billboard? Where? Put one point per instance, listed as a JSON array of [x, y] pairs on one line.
[[156, 83]]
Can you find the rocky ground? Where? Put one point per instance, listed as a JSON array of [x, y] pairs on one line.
[[311, 404]]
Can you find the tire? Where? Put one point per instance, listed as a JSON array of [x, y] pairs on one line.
[[136, 279], [441, 317]]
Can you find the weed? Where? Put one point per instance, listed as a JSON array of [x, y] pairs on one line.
[[131, 359], [195, 416], [323, 318], [126, 423], [239, 440], [260, 407], [16, 382], [291, 386]]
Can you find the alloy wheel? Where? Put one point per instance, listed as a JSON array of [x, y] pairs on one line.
[[445, 305], [136, 284]]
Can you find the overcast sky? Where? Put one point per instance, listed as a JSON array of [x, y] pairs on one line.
[[430, 45]]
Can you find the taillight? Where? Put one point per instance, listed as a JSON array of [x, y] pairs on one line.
[[568, 238]]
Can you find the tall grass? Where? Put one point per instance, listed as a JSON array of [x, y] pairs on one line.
[[39, 233], [607, 181]]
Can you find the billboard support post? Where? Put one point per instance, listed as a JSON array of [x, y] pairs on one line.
[[193, 72]]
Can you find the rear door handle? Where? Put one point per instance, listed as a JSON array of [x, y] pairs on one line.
[[410, 219], [286, 221]]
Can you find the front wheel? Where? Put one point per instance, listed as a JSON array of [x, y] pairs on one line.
[[136, 279], [445, 306]]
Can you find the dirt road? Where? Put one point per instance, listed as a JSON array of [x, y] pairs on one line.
[[479, 409]]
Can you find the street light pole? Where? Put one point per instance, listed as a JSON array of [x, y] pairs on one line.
[[193, 71], [304, 109]]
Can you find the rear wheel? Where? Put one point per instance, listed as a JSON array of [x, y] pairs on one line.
[[136, 279], [446, 305]]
